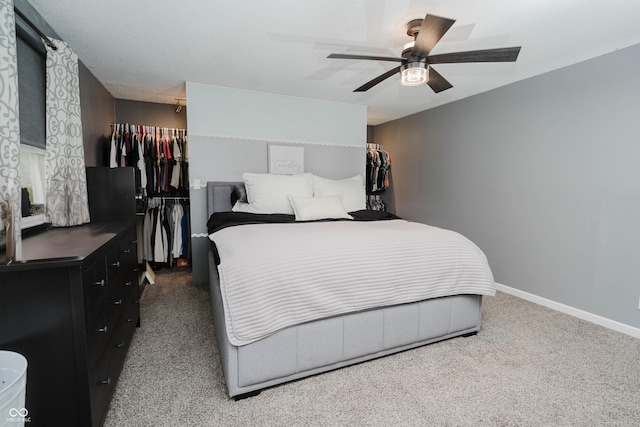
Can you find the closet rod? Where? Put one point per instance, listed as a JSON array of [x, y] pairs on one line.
[[159, 127], [42, 35], [170, 197]]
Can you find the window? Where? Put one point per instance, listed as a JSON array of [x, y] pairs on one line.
[[33, 185], [31, 90], [32, 104]]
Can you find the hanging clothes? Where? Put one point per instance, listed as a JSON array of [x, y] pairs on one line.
[[113, 150], [147, 236], [166, 230], [177, 215], [159, 237], [186, 226], [177, 166], [159, 154], [377, 176], [375, 203], [140, 164], [378, 165]]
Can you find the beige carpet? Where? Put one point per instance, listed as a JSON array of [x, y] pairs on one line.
[[529, 366]]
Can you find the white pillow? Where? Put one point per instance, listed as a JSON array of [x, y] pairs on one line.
[[351, 189], [268, 193], [312, 208], [242, 207]]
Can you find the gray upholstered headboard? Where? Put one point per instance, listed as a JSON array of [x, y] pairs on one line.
[[219, 196]]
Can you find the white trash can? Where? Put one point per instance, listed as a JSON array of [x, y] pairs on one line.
[[13, 387]]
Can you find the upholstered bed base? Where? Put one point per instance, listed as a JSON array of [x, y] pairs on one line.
[[327, 344]]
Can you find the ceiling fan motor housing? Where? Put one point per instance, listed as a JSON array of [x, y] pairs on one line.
[[413, 27]]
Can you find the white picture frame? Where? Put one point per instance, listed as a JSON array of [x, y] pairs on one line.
[[285, 159]]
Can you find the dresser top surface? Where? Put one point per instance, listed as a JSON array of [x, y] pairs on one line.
[[65, 245]]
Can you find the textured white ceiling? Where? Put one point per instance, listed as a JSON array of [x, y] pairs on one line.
[[146, 49]]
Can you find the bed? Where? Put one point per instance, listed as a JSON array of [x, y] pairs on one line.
[[293, 335]]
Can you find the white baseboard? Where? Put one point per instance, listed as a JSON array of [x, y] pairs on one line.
[[581, 314]]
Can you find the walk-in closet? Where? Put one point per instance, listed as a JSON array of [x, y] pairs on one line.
[[159, 156], [377, 176]]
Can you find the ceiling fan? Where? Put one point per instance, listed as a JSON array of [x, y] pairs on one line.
[[416, 59]]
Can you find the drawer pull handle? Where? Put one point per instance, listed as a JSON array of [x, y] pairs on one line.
[[106, 382], [120, 345], [136, 301], [129, 320], [116, 264], [100, 283], [119, 302], [102, 330], [126, 251], [134, 242], [127, 283]]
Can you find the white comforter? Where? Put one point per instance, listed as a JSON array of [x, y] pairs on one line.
[[277, 275]]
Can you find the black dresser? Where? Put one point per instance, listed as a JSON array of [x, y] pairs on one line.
[[71, 309]]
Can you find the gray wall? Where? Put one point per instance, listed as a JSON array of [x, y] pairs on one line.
[[370, 133], [97, 115], [543, 175], [150, 114]]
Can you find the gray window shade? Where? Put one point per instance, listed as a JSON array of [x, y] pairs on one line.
[[31, 93]]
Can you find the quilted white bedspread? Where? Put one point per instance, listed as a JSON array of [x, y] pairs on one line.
[[277, 275]]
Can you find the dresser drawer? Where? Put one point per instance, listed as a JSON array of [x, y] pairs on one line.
[[131, 309], [129, 251], [114, 263], [95, 287], [103, 378], [102, 326]]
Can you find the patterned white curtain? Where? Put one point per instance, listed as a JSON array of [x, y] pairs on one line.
[[10, 200], [67, 202]]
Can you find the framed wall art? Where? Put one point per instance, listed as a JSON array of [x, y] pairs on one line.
[[285, 159]]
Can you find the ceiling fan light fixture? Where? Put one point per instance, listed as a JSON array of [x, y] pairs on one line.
[[414, 74]]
